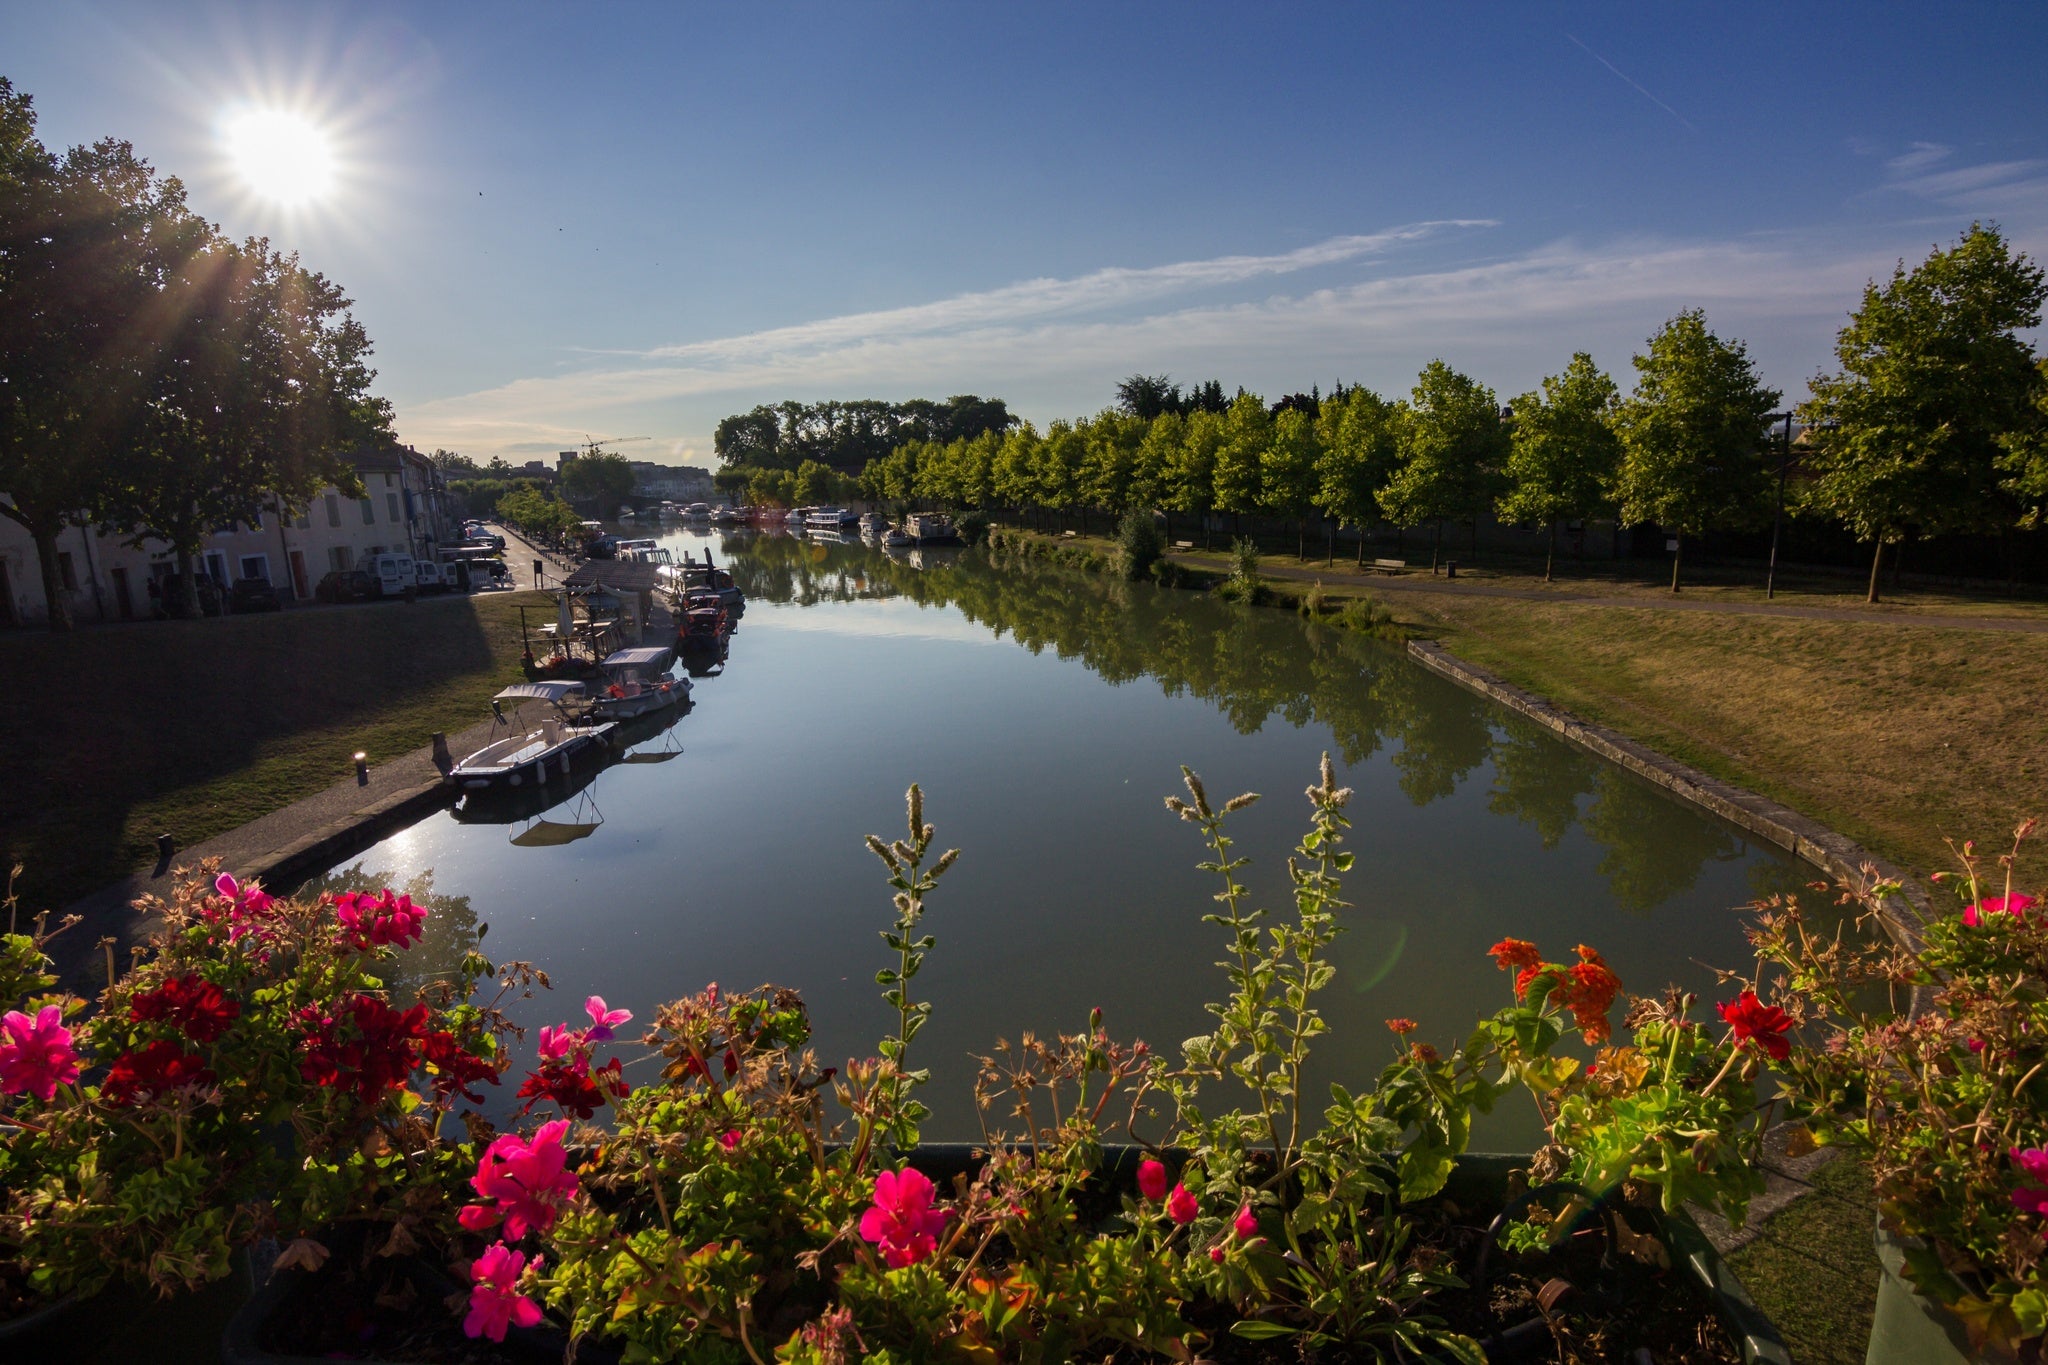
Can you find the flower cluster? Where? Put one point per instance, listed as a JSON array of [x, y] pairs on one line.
[[35, 1054], [901, 1222], [1757, 1024], [245, 910], [567, 1076], [190, 1004], [379, 921], [527, 1183], [154, 1070], [364, 1046], [1587, 988], [495, 1303]]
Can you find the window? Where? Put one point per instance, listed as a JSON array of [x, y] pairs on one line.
[[334, 509], [339, 558], [302, 522], [369, 512], [67, 576], [217, 566], [391, 506], [256, 566]]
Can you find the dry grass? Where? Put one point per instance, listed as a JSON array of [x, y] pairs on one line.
[[1896, 736]]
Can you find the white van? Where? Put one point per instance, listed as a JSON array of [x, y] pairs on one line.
[[433, 577], [394, 574]]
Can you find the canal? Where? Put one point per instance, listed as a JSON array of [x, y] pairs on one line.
[[1045, 713]]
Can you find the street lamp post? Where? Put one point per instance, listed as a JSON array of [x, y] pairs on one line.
[[1778, 514]]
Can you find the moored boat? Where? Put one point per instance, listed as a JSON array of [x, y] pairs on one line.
[[534, 749], [930, 528], [637, 681]]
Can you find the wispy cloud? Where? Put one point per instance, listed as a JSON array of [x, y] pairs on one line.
[[1632, 83], [1117, 286], [1065, 335], [1923, 170]]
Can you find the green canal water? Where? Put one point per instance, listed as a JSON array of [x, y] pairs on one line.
[[1046, 714]]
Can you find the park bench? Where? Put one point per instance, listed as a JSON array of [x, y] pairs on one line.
[[1389, 565], [1183, 545]]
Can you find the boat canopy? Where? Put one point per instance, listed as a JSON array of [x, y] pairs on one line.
[[647, 657], [557, 692]]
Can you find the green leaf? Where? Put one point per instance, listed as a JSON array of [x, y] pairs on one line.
[[1258, 1329]]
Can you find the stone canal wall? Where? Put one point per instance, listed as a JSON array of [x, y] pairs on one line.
[[1841, 858]]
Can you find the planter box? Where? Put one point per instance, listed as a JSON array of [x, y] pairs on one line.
[[1908, 1328]]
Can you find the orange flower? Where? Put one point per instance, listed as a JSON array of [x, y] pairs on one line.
[[1511, 953], [1401, 1026]]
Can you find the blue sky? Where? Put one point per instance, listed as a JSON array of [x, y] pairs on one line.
[[634, 220]]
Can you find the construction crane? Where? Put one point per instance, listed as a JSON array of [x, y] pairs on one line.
[[591, 447]]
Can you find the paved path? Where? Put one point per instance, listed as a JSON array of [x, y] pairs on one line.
[[1346, 577]]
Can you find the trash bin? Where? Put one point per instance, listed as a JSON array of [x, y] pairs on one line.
[[1450, 568]]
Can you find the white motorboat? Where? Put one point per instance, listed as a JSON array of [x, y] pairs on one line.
[[830, 519], [549, 732], [895, 539], [637, 681], [930, 528], [872, 525]]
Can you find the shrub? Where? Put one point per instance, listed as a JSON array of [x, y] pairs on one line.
[[1367, 615], [973, 526], [1244, 584], [1139, 543], [1315, 602]]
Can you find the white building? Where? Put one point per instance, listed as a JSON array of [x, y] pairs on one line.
[[405, 506]]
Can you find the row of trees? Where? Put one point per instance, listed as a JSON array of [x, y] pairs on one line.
[[812, 483], [1934, 424], [847, 435], [157, 378]]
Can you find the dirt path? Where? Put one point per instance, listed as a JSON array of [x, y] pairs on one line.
[[1414, 583]]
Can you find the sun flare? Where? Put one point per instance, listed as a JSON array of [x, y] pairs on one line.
[[280, 156]]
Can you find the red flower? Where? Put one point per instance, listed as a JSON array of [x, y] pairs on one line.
[[1152, 1179], [456, 1069], [1511, 953], [573, 1086], [366, 1046], [1755, 1022], [1589, 994], [1403, 1027], [1181, 1206], [1245, 1225], [191, 1004], [159, 1067]]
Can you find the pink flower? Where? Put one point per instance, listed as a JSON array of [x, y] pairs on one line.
[[529, 1183], [1152, 1179], [902, 1221], [1181, 1206], [2033, 1164], [495, 1302], [35, 1054], [1216, 1253], [556, 1042], [1244, 1225], [378, 921], [244, 907], [602, 1019], [2015, 905], [729, 1139]]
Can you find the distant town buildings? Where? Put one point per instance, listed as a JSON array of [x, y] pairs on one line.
[[405, 507], [676, 483]]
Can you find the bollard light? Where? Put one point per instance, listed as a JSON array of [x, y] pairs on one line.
[[362, 769], [166, 847]]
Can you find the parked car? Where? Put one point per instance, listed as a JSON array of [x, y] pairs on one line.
[[346, 585], [253, 594]]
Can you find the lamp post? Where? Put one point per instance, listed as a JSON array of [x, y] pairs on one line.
[[1778, 514]]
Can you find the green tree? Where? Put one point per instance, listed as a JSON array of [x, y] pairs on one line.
[[600, 482], [1287, 471], [1934, 380], [1562, 450], [256, 392], [1056, 472], [1110, 475], [453, 465], [814, 483], [1157, 451], [84, 241], [1692, 435], [1191, 468], [1013, 480], [1240, 456], [1452, 445], [1360, 433], [2025, 458]]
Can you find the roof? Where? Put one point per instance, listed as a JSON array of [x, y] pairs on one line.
[[541, 691], [646, 657], [615, 573]]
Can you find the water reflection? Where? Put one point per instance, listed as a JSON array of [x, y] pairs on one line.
[[1257, 665], [450, 932]]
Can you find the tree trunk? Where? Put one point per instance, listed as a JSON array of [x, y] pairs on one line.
[[188, 588], [1550, 554], [1301, 540], [1169, 527], [55, 601], [1475, 537], [1676, 555], [1361, 545], [1435, 544], [1329, 543], [1876, 563]]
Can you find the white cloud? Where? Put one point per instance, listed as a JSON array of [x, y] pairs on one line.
[[1038, 344]]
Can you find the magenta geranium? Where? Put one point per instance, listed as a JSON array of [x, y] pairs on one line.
[[382, 920], [1245, 1225], [902, 1222], [2033, 1165], [35, 1054], [495, 1303], [1980, 913], [528, 1182], [1181, 1206], [1152, 1179], [603, 1020]]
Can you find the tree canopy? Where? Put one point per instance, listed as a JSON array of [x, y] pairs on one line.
[[1562, 448], [848, 434]]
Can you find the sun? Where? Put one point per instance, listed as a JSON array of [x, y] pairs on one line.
[[280, 156]]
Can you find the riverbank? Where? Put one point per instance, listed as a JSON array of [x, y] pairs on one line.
[[197, 728], [1898, 726]]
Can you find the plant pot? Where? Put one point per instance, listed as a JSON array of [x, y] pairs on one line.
[[42, 1327], [1909, 1328], [275, 1295], [1478, 1181]]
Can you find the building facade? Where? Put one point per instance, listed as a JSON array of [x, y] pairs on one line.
[[405, 507]]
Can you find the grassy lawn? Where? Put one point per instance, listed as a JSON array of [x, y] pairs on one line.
[[1813, 1270], [1894, 735], [194, 727]]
